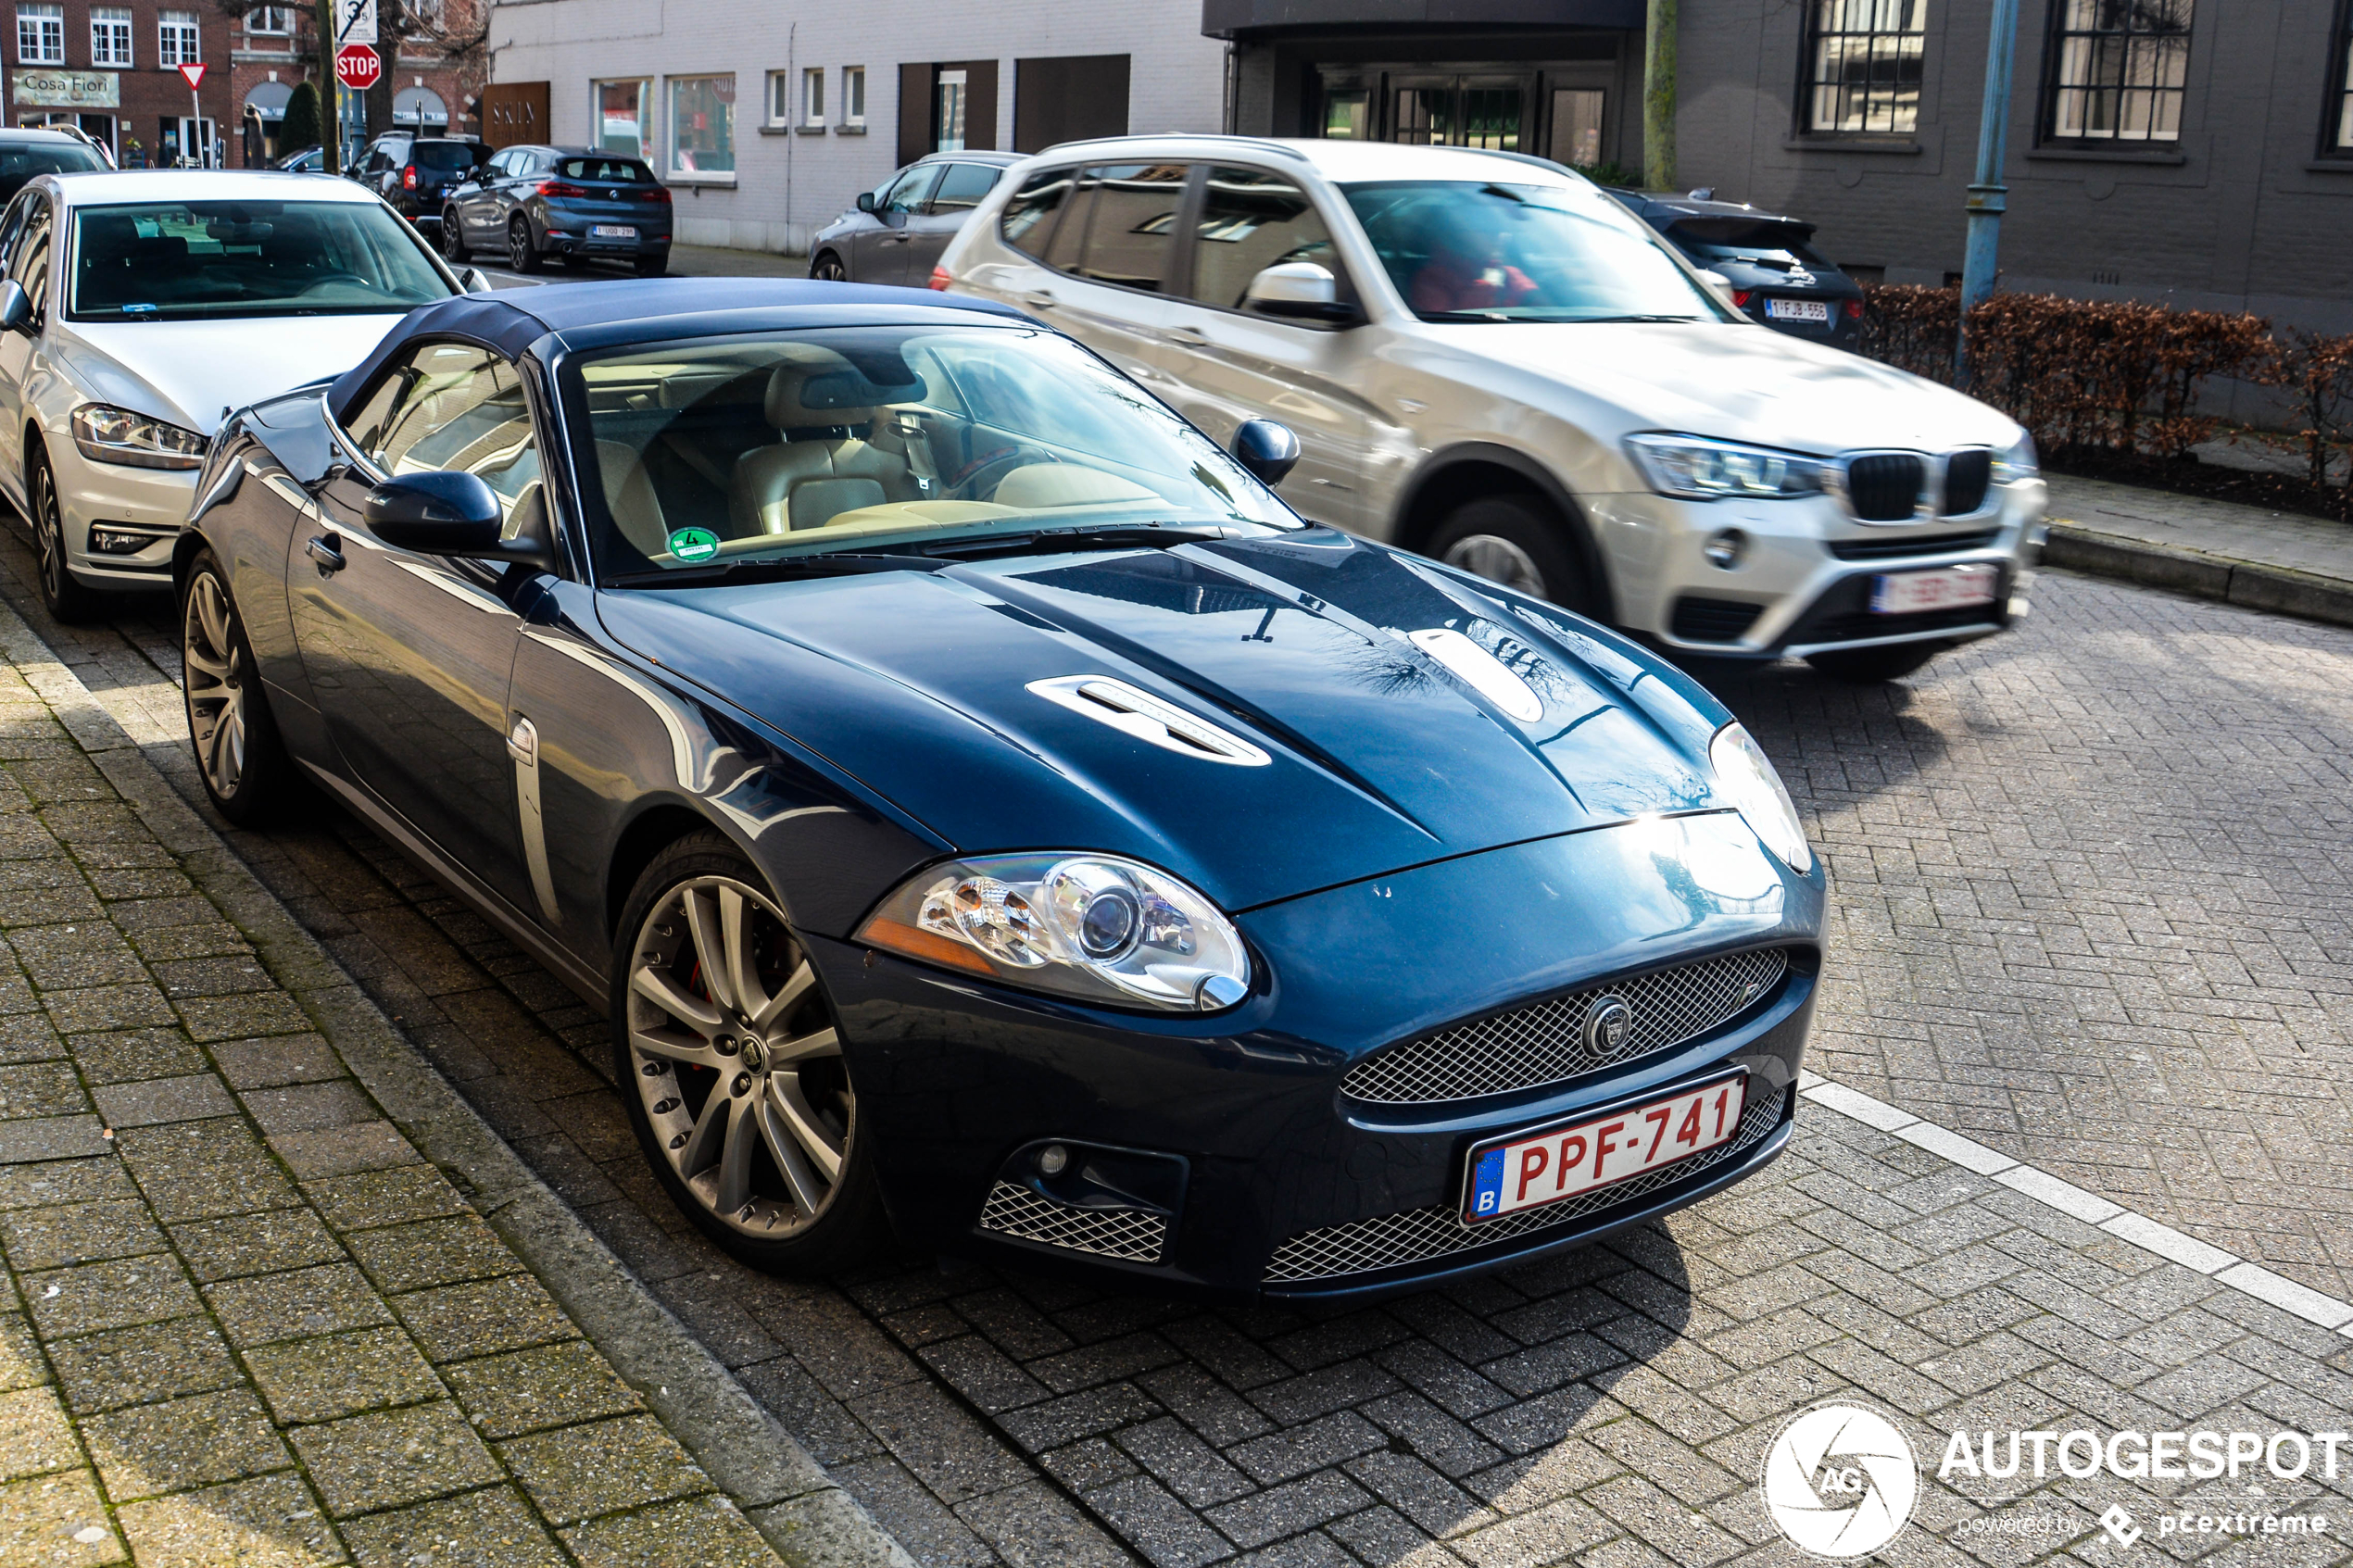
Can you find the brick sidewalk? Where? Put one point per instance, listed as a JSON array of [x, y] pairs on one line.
[[245, 1321]]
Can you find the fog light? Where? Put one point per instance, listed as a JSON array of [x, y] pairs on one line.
[[1053, 1159], [1725, 547], [116, 542]]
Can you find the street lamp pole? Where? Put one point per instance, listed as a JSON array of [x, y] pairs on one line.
[[1987, 196]]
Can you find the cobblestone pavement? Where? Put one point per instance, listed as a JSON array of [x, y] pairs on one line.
[[2090, 905]]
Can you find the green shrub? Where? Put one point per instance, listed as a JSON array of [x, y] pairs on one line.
[[300, 129]]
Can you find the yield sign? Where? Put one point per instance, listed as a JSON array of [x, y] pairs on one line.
[[195, 75]]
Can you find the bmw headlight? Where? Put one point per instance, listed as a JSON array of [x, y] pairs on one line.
[[1748, 779], [1095, 927], [118, 435], [1700, 468], [2017, 463]]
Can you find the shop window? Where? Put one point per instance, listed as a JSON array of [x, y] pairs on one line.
[[2117, 69], [1577, 127], [702, 127], [624, 109], [41, 35], [1863, 66], [110, 36], [1348, 116]]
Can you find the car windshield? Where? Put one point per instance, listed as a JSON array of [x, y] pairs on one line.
[[211, 260], [1744, 238], [1466, 250], [19, 164], [718, 450]]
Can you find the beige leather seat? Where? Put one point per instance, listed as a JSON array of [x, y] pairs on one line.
[[806, 483], [629, 497]]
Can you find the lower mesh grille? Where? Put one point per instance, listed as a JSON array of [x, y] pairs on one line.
[[1884, 486], [1128, 1235], [1388, 1241], [1545, 1044], [1699, 620], [1968, 475]]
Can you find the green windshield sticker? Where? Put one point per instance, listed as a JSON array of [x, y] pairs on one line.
[[694, 544]]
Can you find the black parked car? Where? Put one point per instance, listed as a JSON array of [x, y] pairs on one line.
[[572, 203], [413, 172], [902, 226], [1768, 259]]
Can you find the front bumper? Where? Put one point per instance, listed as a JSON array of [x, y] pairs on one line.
[[114, 498], [1235, 1128], [1803, 580]]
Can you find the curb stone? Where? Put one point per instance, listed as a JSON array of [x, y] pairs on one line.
[[2254, 584], [788, 1498]]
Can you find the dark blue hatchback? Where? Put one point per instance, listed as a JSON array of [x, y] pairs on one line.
[[529, 203], [987, 812]]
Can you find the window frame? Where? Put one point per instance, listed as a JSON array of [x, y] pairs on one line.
[[1812, 84], [2336, 102], [113, 27], [1179, 278], [812, 98], [853, 98], [671, 173], [173, 29], [648, 145], [286, 13], [2057, 37], [48, 21]]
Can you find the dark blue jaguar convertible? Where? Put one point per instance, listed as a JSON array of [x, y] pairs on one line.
[[986, 811]]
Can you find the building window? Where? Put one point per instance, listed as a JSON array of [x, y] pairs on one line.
[[1576, 126], [2340, 138], [2118, 66], [178, 41], [949, 114], [702, 127], [813, 96], [1863, 66], [624, 119], [275, 20], [41, 35], [110, 36], [424, 13], [853, 95]]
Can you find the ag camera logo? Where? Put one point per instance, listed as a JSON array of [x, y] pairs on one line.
[[1841, 1482]]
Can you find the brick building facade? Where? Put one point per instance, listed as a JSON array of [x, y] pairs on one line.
[[436, 81], [111, 68]]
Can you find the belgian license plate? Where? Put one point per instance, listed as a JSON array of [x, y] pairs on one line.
[[1527, 1170], [1950, 587], [1797, 310], [613, 232]]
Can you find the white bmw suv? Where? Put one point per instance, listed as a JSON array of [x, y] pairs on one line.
[[1488, 359]]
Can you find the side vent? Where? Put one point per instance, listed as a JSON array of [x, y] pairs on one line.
[[1147, 719]]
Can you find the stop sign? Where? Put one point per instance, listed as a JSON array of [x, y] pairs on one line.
[[356, 66]]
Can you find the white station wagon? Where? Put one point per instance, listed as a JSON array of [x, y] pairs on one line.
[[1488, 359]]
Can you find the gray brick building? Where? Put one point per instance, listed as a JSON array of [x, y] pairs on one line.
[[2186, 150]]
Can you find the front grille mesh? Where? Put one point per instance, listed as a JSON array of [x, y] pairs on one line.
[[1388, 1241], [1968, 475], [1884, 486], [1128, 1235], [1545, 1044]]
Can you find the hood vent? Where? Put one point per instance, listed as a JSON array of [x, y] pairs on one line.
[[1480, 670], [1147, 719]]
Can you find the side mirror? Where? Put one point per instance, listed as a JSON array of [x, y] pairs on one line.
[[16, 306], [1268, 450], [866, 202], [474, 280], [449, 513], [1299, 291]]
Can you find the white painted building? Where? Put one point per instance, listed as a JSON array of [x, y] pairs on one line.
[[767, 120]]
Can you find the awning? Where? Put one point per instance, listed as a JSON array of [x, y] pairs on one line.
[[419, 106], [268, 100]]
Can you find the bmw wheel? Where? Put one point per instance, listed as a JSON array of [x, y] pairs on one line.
[[828, 269], [453, 237], [729, 1059], [238, 755], [522, 255], [66, 598], [1511, 541]]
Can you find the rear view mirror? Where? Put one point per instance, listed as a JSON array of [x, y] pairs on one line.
[[16, 306], [1301, 291], [866, 202], [448, 513], [1268, 450]]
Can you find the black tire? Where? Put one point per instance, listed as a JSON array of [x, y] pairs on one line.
[[1520, 543], [1871, 666], [827, 268], [653, 266], [522, 252], [715, 1070], [243, 765], [453, 237], [61, 594]]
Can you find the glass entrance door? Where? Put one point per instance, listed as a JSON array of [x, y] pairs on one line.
[[1555, 111]]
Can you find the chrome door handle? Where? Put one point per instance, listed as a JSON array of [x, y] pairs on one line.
[[325, 553], [1188, 337], [1038, 299]]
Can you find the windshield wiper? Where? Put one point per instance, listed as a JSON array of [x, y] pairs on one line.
[[1585, 319], [772, 568], [1126, 536]]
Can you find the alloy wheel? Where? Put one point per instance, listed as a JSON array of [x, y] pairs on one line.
[[214, 663], [453, 243], [49, 534], [1498, 561], [734, 1054], [519, 255], [831, 271]]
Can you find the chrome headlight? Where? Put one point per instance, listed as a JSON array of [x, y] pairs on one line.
[[118, 435], [1095, 927], [2017, 463], [1700, 468], [1748, 779]]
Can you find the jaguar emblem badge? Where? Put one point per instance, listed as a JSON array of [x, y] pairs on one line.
[[1608, 1023]]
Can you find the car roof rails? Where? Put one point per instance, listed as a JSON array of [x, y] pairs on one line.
[[1258, 143]]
